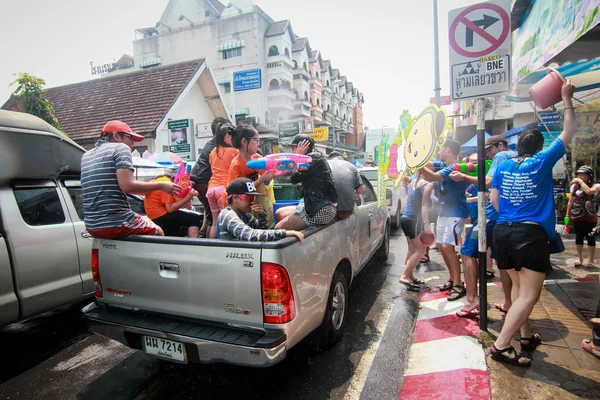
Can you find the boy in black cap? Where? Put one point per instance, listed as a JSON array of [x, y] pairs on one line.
[[318, 189], [236, 222]]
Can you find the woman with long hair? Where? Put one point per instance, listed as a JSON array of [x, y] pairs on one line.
[[220, 161], [415, 220], [582, 210], [522, 193]]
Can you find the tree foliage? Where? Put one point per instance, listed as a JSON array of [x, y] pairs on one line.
[[31, 89]]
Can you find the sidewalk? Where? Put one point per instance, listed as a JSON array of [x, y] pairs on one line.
[[447, 351]]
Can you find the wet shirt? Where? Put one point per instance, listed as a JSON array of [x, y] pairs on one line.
[[318, 187], [585, 207], [490, 212], [104, 203], [347, 180], [472, 206], [249, 228], [452, 201], [414, 201], [526, 193]]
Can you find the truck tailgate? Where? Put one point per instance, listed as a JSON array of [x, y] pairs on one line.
[[203, 279]]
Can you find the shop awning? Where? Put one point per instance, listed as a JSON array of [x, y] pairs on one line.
[[223, 81], [232, 44], [150, 62], [242, 111], [471, 145]]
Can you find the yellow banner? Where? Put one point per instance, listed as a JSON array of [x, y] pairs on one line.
[[320, 134], [381, 185]]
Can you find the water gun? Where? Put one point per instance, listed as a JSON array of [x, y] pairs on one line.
[[471, 168], [279, 164], [182, 178], [567, 220]]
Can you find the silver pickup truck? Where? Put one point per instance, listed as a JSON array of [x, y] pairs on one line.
[[44, 247], [244, 303]]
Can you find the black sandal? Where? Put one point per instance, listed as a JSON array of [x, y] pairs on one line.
[[489, 274], [457, 292], [534, 341], [446, 286], [418, 282], [411, 286], [499, 355]]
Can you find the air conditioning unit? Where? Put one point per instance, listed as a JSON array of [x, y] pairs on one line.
[[249, 119]]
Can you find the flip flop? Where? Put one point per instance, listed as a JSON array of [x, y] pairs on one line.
[[446, 286], [590, 265], [578, 265], [471, 314], [418, 282], [500, 307], [587, 345], [489, 274], [424, 259], [411, 286]]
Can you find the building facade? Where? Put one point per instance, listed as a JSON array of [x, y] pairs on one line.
[[287, 79]]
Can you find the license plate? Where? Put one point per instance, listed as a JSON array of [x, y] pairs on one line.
[[164, 348]]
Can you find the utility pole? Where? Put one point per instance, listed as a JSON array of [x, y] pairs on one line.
[[481, 217], [436, 56]]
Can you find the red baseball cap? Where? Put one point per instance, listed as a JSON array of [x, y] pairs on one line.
[[121, 127]]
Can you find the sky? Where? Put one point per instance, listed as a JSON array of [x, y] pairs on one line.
[[384, 47]]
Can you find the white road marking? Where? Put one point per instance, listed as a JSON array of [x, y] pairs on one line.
[[439, 308], [366, 362], [460, 352]]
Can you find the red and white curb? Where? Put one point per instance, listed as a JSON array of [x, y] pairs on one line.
[[446, 359]]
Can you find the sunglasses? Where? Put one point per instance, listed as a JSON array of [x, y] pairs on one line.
[[126, 135], [248, 198]]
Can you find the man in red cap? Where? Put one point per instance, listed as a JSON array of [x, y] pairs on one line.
[[106, 175]]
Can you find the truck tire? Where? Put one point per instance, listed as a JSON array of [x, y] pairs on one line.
[[397, 218], [384, 250], [332, 328]]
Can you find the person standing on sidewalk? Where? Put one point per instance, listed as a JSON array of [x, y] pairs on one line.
[[522, 193], [414, 221], [496, 148], [452, 214], [582, 209]]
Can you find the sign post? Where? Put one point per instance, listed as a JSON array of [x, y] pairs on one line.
[[480, 50], [181, 138]]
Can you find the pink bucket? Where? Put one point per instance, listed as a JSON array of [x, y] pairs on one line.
[[547, 92], [427, 238]]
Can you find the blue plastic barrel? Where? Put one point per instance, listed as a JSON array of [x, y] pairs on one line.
[[283, 203]]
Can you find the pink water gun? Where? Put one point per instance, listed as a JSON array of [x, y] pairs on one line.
[[279, 164], [182, 178]]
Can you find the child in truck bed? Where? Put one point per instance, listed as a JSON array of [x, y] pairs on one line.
[[236, 222]]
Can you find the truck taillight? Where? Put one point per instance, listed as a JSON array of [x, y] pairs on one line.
[[278, 298], [96, 273]]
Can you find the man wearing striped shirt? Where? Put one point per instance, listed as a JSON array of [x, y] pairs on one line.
[[106, 176]]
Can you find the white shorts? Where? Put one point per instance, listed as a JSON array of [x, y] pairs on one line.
[[449, 230]]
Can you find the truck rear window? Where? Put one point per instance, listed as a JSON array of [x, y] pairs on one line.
[[39, 206]]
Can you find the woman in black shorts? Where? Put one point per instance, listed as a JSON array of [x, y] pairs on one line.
[[523, 195], [413, 223]]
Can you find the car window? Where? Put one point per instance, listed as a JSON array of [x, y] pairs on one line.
[[369, 194], [77, 199], [137, 204], [39, 206], [371, 174]]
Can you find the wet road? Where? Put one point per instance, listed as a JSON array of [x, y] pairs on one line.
[[53, 356]]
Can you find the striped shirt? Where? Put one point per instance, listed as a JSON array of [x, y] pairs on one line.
[[104, 203], [248, 228]]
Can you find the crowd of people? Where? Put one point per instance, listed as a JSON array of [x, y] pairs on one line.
[[238, 203]]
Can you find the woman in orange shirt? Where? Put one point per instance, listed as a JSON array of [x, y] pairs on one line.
[[245, 139], [220, 162]]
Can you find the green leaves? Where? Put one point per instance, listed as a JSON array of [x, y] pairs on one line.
[[31, 89]]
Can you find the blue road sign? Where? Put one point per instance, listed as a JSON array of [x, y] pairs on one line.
[[247, 80]]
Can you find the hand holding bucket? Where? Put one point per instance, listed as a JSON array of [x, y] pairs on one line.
[[427, 238], [547, 92]]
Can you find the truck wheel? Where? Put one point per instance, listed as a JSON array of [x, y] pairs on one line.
[[397, 218], [384, 250], [332, 328]]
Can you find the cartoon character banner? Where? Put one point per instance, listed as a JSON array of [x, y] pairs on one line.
[[415, 145]]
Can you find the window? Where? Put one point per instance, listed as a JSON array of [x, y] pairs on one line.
[[369, 194], [136, 203], [77, 199], [295, 65], [165, 148], [305, 95], [232, 53], [39, 206], [227, 87], [318, 102], [274, 84], [206, 14], [305, 67], [327, 83], [273, 51], [286, 53], [317, 74]]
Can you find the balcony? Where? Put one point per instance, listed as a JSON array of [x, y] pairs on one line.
[[280, 59], [302, 108], [317, 113], [299, 73], [281, 99]]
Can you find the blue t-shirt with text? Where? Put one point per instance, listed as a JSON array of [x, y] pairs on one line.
[[490, 212], [452, 199], [526, 193]]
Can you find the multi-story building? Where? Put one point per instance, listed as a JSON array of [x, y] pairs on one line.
[[296, 83]]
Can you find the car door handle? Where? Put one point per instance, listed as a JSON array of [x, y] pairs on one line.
[[86, 235], [168, 267]]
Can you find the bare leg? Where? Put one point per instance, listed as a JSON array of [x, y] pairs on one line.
[[489, 261], [292, 222], [471, 269], [160, 231], [284, 212], [579, 248], [591, 253], [507, 288], [452, 262], [193, 231], [213, 229], [418, 250], [527, 286]]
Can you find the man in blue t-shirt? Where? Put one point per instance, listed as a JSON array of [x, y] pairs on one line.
[[496, 148], [452, 210]]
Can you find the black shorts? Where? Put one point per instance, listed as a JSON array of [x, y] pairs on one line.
[[174, 223], [520, 245], [412, 227]]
